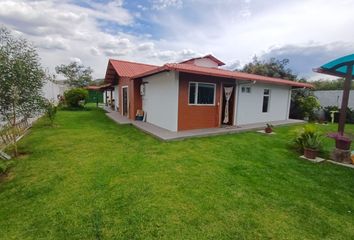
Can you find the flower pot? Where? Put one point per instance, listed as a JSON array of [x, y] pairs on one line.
[[268, 130], [310, 153], [343, 144]]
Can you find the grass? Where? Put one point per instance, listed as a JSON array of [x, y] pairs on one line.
[[89, 178]]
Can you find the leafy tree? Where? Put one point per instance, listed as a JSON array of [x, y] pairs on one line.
[[21, 80], [74, 96], [324, 84], [77, 75], [271, 68]]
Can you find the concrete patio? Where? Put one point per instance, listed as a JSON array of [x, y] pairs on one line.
[[167, 135]]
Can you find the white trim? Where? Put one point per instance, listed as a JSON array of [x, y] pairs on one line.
[[127, 87], [177, 79], [196, 94], [266, 95], [235, 102], [289, 102]]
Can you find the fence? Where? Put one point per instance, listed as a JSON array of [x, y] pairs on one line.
[[8, 132]]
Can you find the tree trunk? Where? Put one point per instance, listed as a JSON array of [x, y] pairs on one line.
[[13, 130]]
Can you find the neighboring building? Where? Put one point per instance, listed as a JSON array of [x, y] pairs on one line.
[[197, 94], [333, 98], [52, 89]]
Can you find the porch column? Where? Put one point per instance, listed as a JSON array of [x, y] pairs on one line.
[[345, 98]]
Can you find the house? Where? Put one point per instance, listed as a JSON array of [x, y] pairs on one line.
[[197, 93]]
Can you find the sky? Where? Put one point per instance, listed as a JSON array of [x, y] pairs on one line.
[[307, 32]]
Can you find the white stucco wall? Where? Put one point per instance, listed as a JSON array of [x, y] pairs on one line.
[[333, 98], [160, 101], [249, 105], [205, 62]]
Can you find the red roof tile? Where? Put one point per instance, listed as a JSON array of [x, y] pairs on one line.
[[130, 69], [211, 57], [217, 72]]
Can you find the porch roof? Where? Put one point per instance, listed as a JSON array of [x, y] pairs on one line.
[[337, 67], [125, 69], [102, 87]]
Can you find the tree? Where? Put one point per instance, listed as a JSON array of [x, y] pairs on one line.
[[77, 75], [271, 68], [74, 96], [336, 84], [21, 80]]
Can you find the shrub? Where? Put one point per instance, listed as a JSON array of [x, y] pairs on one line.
[[308, 106], [308, 137], [5, 165], [75, 97], [50, 110]]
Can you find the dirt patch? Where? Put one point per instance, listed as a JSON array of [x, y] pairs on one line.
[[7, 176]]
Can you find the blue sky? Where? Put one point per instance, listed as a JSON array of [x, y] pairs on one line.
[[308, 32]]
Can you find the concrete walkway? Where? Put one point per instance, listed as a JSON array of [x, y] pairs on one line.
[[167, 135]]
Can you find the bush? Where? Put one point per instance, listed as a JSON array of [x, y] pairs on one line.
[[50, 111], [75, 97], [308, 137], [309, 105], [5, 165]]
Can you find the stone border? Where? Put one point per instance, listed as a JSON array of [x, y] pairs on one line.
[[263, 132], [316, 160], [341, 164]]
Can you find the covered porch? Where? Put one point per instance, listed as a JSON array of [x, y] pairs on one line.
[[166, 135]]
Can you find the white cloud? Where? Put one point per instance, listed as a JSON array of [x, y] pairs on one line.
[[162, 4], [75, 59], [233, 30]]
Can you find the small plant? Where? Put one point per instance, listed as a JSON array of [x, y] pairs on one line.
[[309, 140], [313, 141], [268, 128], [50, 111], [5, 165], [75, 98]]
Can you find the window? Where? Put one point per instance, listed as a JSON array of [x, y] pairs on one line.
[[266, 97], [201, 93], [246, 89]]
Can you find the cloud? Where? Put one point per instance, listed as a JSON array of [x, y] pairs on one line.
[[53, 43], [175, 30], [303, 58], [162, 4], [148, 46]]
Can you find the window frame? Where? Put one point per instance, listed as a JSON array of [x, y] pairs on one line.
[[245, 89], [196, 94], [266, 95]]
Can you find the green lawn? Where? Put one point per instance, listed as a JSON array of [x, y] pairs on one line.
[[89, 178]]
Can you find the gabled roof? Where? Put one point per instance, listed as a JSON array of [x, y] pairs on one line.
[[217, 72], [125, 69], [211, 57]]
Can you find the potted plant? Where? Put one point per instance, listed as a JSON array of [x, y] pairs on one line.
[[269, 128], [312, 144], [342, 142]]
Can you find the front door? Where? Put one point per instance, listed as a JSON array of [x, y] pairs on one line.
[[228, 102], [125, 101]]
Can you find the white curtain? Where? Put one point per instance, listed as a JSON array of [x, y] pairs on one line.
[[228, 93]]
